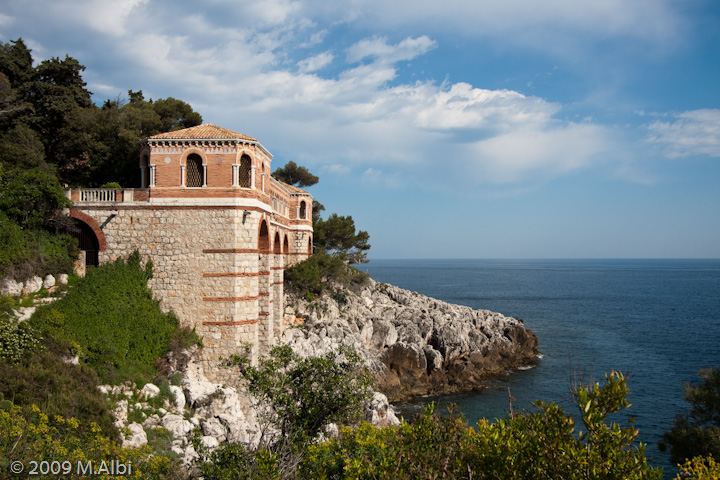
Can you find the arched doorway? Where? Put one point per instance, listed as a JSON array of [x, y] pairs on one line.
[[87, 241], [264, 238], [276, 246]]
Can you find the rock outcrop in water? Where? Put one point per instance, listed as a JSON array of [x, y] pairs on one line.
[[414, 345]]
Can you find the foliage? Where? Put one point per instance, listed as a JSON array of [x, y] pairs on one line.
[[337, 234], [321, 272], [43, 378], [31, 198], [17, 340], [30, 434], [697, 432], [292, 174], [24, 253], [298, 398], [532, 445], [233, 461], [111, 317], [700, 468]]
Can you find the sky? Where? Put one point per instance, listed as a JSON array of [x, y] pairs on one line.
[[453, 129]]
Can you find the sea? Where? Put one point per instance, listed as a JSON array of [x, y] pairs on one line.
[[656, 321]]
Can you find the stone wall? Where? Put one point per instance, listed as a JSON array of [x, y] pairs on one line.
[[208, 269]]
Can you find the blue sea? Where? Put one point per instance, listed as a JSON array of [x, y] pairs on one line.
[[657, 321]]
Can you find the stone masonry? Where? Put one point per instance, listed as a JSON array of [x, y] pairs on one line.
[[218, 229]]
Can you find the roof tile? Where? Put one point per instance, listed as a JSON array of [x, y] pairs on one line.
[[206, 131]]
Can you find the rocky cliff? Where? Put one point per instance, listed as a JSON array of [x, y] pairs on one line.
[[414, 345]]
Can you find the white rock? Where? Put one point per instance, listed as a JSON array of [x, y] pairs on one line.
[[177, 450], [210, 442], [104, 389], [212, 427], [152, 421], [25, 313], [150, 391], [176, 425], [162, 411], [120, 413], [49, 282], [199, 393], [190, 455], [63, 279], [179, 396], [10, 287], [32, 286], [137, 438]]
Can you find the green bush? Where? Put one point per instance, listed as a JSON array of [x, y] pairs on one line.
[[24, 253], [321, 272], [533, 445], [31, 434], [697, 432], [17, 340], [61, 388], [112, 321]]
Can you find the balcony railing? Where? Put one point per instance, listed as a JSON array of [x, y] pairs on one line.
[[107, 195]]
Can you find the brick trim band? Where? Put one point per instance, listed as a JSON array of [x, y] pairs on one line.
[[243, 322], [264, 294], [228, 299], [251, 274], [264, 314], [231, 250]]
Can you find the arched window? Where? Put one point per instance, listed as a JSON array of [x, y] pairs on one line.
[[310, 246], [276, 246], [264, 238], [303, 210], [244, 171], [286, 246], [194, 171]]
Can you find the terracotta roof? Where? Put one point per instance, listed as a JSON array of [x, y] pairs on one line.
[[290, 188], [206, 131]]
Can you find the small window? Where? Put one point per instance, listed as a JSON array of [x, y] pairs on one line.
[[194, 171], [244, 172], [303, 210]]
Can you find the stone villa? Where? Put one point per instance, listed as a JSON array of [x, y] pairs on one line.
[[217, 227]]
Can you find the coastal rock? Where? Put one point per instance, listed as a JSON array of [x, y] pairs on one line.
[[179, 397], [177, 425], [10, 287], [32, 286], [150, 391], [48, 282], [137, 437], [413, 344]]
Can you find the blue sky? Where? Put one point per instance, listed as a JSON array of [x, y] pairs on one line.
[[454, 129]]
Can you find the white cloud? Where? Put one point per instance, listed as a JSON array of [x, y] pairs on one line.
[[315, 63], [696, 132], [382, 52]]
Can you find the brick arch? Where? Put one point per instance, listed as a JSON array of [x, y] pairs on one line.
[[92, 223], [190, 151], [263, 237], [276, 244]]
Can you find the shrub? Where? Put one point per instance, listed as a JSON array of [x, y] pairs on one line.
[[321, 272], [61, 388], [533, 445], [17, 340], [697, 432], [30, 434], [112, 319]]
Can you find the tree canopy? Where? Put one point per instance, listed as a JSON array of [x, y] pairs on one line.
[[697, 432], [292, 174]]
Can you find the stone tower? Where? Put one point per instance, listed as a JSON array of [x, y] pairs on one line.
[[218, 228]]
